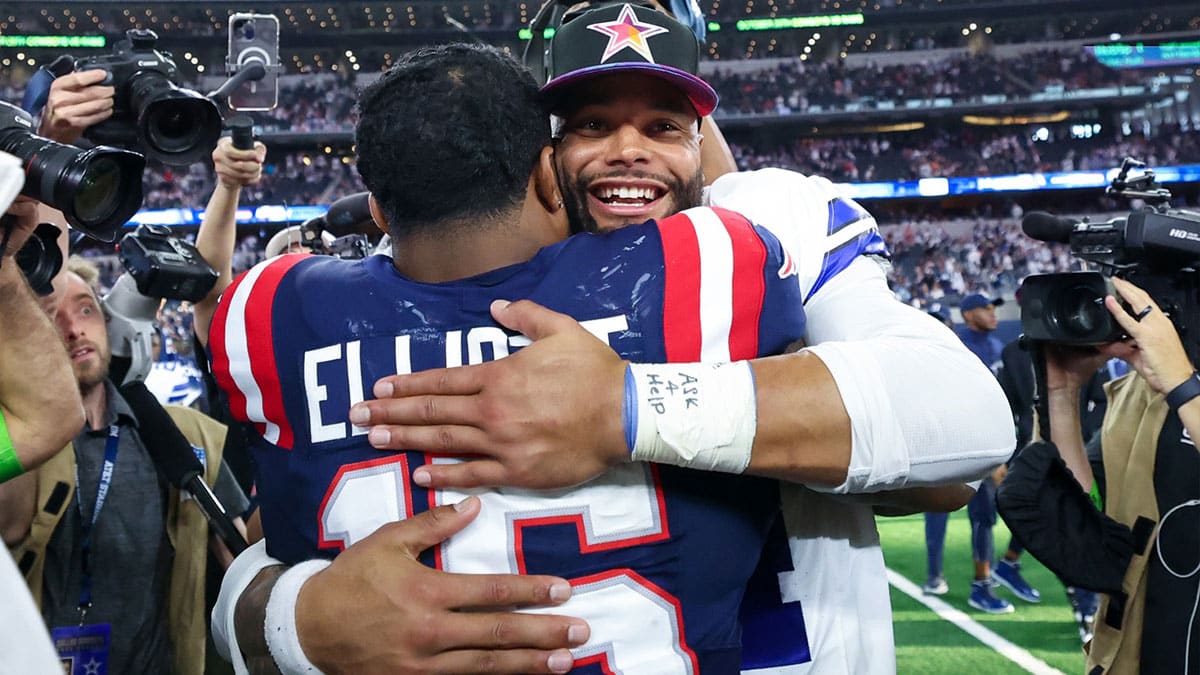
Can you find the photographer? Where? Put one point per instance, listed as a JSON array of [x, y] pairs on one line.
[[1150, 483], [106, 547]]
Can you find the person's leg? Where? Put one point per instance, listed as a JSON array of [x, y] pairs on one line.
[[1008, 574], [981, 511], [935, 544], [1015, 549]]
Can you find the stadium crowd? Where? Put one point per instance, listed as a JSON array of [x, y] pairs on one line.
[[794, 85], [317, 177], [967, 151]]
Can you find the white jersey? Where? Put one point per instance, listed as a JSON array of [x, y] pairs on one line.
[[921, 413]]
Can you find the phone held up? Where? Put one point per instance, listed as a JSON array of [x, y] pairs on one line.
[[254, 38]]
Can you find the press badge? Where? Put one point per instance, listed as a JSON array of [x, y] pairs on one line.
[[83, 650]]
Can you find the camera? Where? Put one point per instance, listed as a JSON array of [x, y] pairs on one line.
[[96, 189], [348, 213], [1155, 247], [316, 239], [166, 267], [40, 259], [174, 125]]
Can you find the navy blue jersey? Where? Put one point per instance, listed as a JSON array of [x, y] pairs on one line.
[[659, 556]]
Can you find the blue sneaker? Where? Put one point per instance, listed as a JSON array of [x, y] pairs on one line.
[[1008, 575], [984, 600]]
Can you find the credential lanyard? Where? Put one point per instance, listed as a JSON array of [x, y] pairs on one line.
[[106, 476]]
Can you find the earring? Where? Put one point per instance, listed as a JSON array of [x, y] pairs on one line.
[[559, 203]]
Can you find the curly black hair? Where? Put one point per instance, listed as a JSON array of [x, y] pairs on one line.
[[449, 136]]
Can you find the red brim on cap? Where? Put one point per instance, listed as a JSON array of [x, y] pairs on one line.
[[702, 96]]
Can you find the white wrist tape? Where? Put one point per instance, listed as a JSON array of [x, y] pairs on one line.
[[280, 625], [695, 415]]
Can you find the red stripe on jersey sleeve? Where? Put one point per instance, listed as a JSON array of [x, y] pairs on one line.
[[259, 323], [220, 355], [681, 300], [749, 285]]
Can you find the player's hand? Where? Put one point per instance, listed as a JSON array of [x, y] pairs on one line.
[[376, 609], [238, 168], [1154, 348], [548, 416], [76, 102]]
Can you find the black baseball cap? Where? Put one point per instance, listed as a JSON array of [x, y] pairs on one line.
[[627, 38]]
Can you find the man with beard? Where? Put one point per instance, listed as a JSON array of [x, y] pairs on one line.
[[114, 557], [901, 402]]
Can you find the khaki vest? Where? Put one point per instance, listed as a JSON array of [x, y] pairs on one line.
[[187, 530], [1129, 436]]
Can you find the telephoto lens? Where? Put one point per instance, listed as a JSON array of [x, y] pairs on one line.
[[98, 189]]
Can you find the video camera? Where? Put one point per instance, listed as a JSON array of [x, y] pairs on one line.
[[174, 125], [1155, 247], [164, 266]]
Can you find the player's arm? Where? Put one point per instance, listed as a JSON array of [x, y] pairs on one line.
[[217, 235], [377, 609], [886, 398], [907, 501]]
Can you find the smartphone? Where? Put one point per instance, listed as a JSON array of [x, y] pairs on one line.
[[254, 38]]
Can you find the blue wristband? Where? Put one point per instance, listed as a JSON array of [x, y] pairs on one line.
[[629, 410], [1188, 390]]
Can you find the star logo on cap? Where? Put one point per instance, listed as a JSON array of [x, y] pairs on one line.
[[627, 31]]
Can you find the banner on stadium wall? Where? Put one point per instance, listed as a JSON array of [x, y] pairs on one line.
[[278, 214]]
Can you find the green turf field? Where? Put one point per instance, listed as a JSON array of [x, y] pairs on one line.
[[928, 645]]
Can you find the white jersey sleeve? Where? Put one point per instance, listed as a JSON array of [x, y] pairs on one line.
[[923, 409]]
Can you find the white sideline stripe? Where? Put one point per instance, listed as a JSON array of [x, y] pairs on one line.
[[1008, 650]]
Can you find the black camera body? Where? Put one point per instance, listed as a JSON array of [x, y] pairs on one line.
[[174, 125], [164, 266], [1156, 248]]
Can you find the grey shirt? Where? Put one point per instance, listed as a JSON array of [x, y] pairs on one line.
[[129, 551]]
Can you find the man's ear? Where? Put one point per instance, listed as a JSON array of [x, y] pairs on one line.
[[545, 181], [377, 215]]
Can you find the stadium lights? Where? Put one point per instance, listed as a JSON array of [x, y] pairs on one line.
[[54, 41], [989, 121], [799, 22]]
